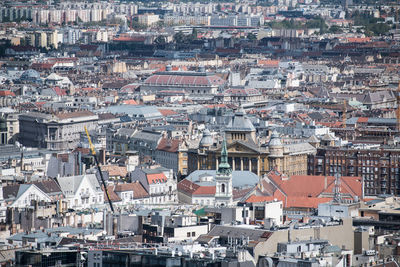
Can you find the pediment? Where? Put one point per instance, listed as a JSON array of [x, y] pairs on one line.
[[241, 147]]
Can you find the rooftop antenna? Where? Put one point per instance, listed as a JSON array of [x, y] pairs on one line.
[[337, 198]]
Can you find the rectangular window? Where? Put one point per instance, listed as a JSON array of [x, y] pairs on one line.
[[188, 234], [193, 233]]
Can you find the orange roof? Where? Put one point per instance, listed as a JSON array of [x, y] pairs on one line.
[[306, 202], [216, 106], [205, 190], [256, 199], [129, 102], [268, 62], [362, 120], [6, 93], [156, 178], [310, 190], [167, 112], [358, 39]]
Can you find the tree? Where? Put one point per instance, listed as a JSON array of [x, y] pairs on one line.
[[335, 29], [251, 36], [179, 38], [160, 40]]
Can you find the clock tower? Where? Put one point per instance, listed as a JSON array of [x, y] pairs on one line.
[[223, 180]]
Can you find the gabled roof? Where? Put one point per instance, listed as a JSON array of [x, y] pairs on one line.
[[69, 185]]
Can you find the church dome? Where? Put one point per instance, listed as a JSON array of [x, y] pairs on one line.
[[275, 140], [240, 123], [207, 139]]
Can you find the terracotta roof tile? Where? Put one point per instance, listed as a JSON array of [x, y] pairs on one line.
[[156, 178], [205, 190]]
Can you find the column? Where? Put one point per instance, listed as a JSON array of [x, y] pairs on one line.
[[217, 163], [241, 164], [233, 163], [250, 159], [258, 166]]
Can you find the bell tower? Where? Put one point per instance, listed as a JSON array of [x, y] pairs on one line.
[[223, 180]]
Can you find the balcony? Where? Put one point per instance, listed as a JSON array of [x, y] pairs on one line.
[[85, 195]]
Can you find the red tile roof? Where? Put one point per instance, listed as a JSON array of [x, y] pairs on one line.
[[257, 199], [205, 190], [167, 112], [156, 178], [187, 186], [129, 102], [6, 93], [309, 190], [59, 91], [183, 79], [362, 120], [268, 62]]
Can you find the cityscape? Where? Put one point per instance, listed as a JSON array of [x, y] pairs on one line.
[[246, 133]]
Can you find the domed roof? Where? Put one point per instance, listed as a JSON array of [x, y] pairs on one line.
[[30, 74], [240, 122], [275, 139], [207, 139]]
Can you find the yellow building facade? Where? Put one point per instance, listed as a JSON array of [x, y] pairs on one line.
[[247, 154]]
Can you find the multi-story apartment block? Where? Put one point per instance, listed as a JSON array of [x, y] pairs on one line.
[[176, 19], [379, 166]]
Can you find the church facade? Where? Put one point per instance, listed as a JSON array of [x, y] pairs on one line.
[[246, 153]]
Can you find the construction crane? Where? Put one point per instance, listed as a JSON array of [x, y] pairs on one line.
[[398, 108], [93, 151], [344, 115]]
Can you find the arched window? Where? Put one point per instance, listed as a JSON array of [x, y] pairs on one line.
[[223, 188]]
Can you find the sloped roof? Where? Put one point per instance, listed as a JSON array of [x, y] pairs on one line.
[[302, 189], [111, 193], [137, 188], [48, 186], [156, 178], [169, 145], [115, 170], [69, 185], [184, 79], [240, 122], [10, 191]]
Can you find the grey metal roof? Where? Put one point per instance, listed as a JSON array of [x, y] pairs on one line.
[[207, 139], [275, 140], [69, 185], [240, 179], [240, 122], [147, 136], [139, 112], [236, 232]]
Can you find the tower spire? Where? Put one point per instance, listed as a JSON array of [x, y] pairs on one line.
[[224, 167]]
